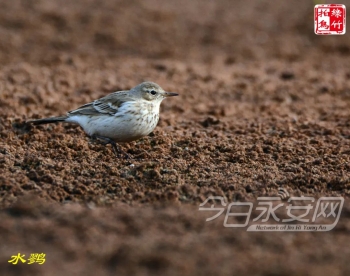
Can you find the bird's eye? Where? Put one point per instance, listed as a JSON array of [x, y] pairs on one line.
[[153, 92]]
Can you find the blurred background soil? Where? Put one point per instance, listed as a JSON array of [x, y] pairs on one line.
[[264, 103]]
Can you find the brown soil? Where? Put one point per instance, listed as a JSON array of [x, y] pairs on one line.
[[265, 103]]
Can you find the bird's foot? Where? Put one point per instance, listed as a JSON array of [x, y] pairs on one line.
[[115, 147]]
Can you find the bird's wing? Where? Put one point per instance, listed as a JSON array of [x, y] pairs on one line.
[[107, 105]]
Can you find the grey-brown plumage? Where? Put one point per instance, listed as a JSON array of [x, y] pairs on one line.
[[121, 116]]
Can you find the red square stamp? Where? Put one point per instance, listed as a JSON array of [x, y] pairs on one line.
[[330, 19]]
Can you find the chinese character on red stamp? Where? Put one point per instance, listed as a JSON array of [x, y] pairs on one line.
[[330, 19]]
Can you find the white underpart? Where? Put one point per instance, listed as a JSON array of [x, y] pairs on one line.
[[123, 126]]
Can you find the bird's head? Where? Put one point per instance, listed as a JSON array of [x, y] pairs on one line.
[[151, 91]]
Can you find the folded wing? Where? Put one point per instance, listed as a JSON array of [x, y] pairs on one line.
[[107, 105]]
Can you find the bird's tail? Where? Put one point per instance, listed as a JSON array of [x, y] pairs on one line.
[[47, 120]]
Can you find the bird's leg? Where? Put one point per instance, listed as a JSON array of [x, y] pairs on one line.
[[114, 145]]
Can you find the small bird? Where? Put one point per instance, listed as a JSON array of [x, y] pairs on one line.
[[122, 116]]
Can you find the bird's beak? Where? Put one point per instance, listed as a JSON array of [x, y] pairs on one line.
[[170, 94]]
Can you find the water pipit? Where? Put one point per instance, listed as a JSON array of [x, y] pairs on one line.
[[122, 116]]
